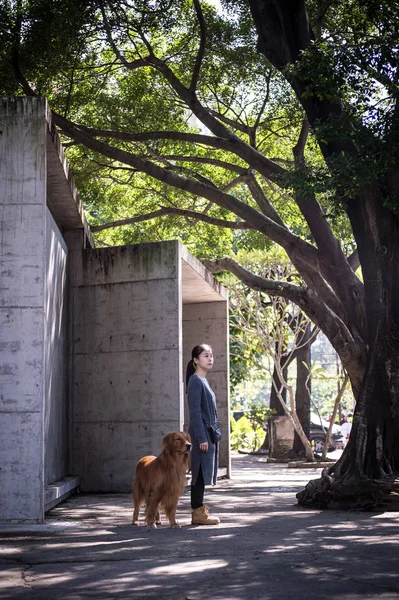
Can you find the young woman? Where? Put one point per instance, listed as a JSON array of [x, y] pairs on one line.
[[202, 412]]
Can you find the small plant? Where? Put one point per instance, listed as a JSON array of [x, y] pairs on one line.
[[258, 414], [241, 434], [248, 433]]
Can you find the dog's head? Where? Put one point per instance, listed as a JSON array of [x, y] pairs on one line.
[[177, 441]]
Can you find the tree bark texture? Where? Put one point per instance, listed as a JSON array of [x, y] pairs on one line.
[[372, 454], [302, 398], [275, 403]]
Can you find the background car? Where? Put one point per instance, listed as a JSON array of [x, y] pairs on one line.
[[317, 432], [318, 435]]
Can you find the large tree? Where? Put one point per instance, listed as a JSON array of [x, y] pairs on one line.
[[326, 72], [358, 42]]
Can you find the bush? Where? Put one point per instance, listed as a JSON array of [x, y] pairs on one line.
[[243, 437], [248, 433]]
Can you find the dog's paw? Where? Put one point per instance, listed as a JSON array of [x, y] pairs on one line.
[[135, 523], [152, 526], [175, 525]]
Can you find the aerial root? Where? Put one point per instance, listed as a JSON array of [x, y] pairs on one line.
[[348, 493]]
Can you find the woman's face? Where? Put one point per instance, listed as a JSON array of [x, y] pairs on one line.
[[205, 360]]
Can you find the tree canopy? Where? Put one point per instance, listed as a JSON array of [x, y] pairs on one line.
[[274, 119]]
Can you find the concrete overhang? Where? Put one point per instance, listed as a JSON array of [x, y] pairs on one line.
[[198, 284], [62, 196]]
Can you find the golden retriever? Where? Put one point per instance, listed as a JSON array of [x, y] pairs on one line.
[[159, 481]]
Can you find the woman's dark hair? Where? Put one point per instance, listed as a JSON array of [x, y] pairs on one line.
[[195, 353]]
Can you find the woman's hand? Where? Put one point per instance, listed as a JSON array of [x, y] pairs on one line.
[[204, 447]]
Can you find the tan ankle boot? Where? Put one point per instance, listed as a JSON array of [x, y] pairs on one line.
[[201, 516]]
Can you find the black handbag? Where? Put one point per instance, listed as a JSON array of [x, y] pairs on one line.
[[215, 432]]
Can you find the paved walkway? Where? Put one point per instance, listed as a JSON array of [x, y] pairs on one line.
[[265, 548]]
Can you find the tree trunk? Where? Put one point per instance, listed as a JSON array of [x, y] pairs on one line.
[[337, 404], [275, 403], [302, 398], [365, 473]]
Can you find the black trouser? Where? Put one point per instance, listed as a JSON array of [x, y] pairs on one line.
[[197, 491]]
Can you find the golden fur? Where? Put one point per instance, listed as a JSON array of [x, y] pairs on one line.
[[159, 481]]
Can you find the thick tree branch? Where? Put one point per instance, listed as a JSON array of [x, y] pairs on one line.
[[262, 200], [340, 275], [299, 148], [284, 33], [315, 281], [296, 248], [235, 125], [202, 46], [311, 277], [352, 352], [178, 136], [207, 161], [254, 128], [232, 184], [261, 284], [257, 160], [173, 211], [272, 287], [353, 260]]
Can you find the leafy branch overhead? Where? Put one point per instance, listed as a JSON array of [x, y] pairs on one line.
[[266, 123]]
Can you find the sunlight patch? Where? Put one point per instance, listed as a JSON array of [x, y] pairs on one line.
[[189, 567]]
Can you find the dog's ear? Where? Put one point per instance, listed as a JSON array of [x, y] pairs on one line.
[[167, 441]]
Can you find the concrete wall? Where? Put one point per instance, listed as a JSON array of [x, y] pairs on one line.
[[91, 353], [126, 368], [208, 323], [56, 421], [33, 318], [22, 319]]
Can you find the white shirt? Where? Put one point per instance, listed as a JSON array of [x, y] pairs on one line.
[[346, 428]]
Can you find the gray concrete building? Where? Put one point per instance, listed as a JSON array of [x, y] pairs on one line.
[[93, 342]]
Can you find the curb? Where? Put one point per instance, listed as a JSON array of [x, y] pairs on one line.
[[309, 465]]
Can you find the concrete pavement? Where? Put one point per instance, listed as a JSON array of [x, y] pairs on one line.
[[266, 547]]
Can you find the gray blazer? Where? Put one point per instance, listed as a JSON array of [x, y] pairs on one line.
[[202, 412]]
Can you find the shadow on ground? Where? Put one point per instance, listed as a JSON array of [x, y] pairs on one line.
[[266, 547]]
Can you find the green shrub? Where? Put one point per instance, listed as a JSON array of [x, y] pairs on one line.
[[242, 435], [248, 433]]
